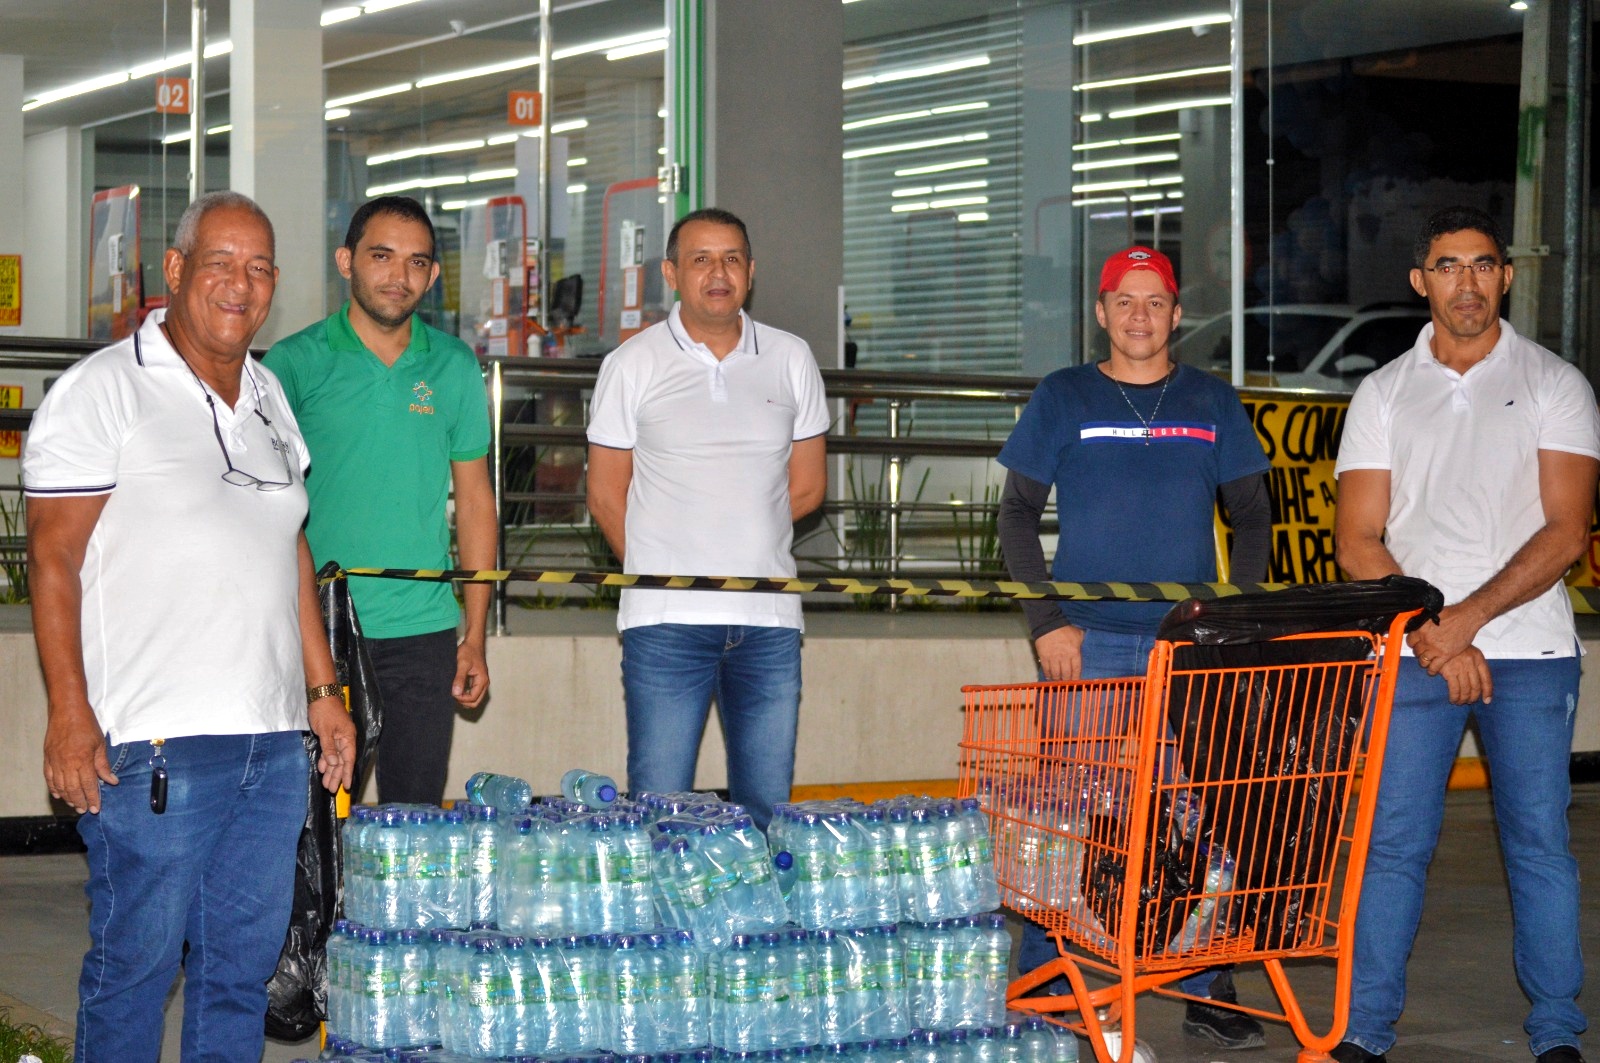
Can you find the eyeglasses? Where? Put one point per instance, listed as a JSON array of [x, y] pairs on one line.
[[235, 476], [1461, 269]]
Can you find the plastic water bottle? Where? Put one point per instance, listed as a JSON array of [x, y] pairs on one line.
[[1031, 860], [504, 792], [983, 1044], [924, 1047], [810, 900], [391, 861], [691, 1023], [928, 863], [737, 1006], [586, 963], [484, 862], [451, 904], [884, 1011], [994, 952], [955, 1048], [805, 1027], [931, 984], [753, 862], [837, 1004], [1044, 1042], [479, 1014], [848, 863], [882, 894], [632, 861], [975, 826], [353, 862], [1013, 1049], [774, 1017], [1202, 922], [962, 886], [589, 787], [629, 1025]]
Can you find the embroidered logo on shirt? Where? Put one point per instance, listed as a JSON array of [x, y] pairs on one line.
[[1130, 432], [422, 393]]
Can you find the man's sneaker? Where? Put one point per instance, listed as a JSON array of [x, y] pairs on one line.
[[1223, 1027], [1561, 1054], [1346, 1052]]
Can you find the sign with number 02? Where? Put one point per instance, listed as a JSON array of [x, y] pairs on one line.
[[172, 96]]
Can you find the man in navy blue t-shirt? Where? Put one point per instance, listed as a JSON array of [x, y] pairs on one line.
[[1137, 449]]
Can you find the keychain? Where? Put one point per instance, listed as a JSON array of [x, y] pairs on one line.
[[158, 777]]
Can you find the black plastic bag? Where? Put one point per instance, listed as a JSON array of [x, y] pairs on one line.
[[297, 993], [1295, 740]]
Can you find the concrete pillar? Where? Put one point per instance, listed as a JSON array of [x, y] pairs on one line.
[[1052, 238], [774, 104], [278, 144], [13, 208], [58, 187]]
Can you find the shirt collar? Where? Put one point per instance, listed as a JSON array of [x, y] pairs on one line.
[[1422, 353], [152, 348], [342, 335], [748, 343]]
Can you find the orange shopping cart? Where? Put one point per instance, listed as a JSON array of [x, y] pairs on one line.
[[1215, 810]]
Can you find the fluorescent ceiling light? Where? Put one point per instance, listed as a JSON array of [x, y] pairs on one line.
[[1174, 195], [160, 66], [1155, 138], [902, 208], [1111, 186], [959, 185], [906, 116], [503, 138], [959, 201], [417, 182], [1146, 213], [907, 73], [919, 191], [556, 129], [1145, 197], [430, 149], [1219, 19], [179, 138], [628, 51], [504, 174], [478, 71], [370, 94], [340, 14], [1144, 79], [1130, 160], [1170, 179], [1096, 200], [915, 145], [1177, 105], [458, 204], [335, 113], [574, 190], [975, 216], [941, 167], [1090, 117], [609, 45], [77, 89], [579, 161], [372, 7]]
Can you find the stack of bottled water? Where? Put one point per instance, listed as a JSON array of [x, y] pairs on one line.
[[845, 864], [418, 866], [713, 874], [564, 868]]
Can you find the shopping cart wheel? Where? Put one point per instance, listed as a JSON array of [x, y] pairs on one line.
[[1142, 1053]]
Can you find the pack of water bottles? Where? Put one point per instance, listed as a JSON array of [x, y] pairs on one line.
[[420, 866], [914, 859], [712, 871], [1020, 1039]]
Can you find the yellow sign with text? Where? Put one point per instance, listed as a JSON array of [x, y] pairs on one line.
[[10, 290], [10, 442]]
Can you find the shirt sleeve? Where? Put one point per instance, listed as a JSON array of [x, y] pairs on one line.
[[469, 430], [810, 398], [280, 360], [1034, 446], [613, 409], [75, 441], [1364, 443], [1239, 452], [1569, 420]]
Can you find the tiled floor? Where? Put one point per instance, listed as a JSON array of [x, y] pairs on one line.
[[1465, 1006]]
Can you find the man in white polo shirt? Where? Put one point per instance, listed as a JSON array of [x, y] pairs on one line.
[[1471, 461], [176, 613], [705, 445]]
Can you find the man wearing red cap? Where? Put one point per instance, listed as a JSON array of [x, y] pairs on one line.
[[1137, 448]]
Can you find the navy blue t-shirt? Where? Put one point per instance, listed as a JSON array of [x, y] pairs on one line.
[[1133, 508]]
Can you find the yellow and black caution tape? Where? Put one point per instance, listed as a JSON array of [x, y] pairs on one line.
[[1584, 599]]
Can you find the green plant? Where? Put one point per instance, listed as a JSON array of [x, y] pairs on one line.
[[977, 534], [13, 548], [22, 1039]]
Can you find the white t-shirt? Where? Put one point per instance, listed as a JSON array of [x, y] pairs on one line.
[[711, 443], [190, 584], [1462, 451]]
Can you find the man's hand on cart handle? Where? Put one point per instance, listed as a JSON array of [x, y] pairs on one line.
[[1445, 648], [1060, 654]]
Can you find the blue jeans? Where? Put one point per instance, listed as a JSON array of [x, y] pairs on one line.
[[1106, 655], [669, 674], [215, 871], [1526, 733]]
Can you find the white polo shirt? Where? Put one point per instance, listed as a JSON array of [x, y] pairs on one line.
[[711, 442], [1462, 451], [190, 584]]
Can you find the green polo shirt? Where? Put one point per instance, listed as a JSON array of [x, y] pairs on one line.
[[382, 439]]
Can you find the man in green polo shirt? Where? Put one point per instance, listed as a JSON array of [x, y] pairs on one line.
[[395, 416]]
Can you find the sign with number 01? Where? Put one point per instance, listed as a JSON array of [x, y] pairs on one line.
[[172, 96], [522, 108]]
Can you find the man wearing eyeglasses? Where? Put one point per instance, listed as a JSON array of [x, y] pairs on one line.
[[1471, 461], [175, 611], [395, 414]]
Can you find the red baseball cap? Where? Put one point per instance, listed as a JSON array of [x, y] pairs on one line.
[[1118, 265]]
